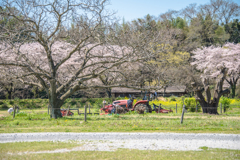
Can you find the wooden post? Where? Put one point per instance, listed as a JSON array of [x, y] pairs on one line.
[[116, 109], [48, 110], [14, 110], [85, 114], [176, 107], [68, 110], [17, 108], [182, 114], [221, 108], [159, 108], [89, 108]]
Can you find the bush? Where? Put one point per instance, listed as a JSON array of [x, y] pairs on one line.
[[172, 98], [23, 102], [83, 100], [4, 106], [225, 102], [190, 104], [11, 102], [1, 102]]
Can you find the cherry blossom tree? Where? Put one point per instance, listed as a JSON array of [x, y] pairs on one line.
[[43, 52], [221, 63]]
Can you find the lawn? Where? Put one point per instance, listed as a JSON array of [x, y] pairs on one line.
[[39, 121]]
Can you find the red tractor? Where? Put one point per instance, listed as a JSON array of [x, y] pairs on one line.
[[127, 105], [66, 112], [139, 106]]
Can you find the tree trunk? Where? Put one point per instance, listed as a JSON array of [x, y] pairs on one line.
[[233, 82], [210, 105], [9, 90], [210, 108], [233, 90], [109, 92], [55, 108], [55, 102]]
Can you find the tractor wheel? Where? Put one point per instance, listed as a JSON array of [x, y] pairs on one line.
[[119, 110], [150, 109], [141, 108]]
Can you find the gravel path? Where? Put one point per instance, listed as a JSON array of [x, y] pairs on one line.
[[143, 141]]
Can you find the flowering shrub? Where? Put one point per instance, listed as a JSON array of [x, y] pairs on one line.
[[235, 102]]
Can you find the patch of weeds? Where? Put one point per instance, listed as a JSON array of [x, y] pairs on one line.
[[116, 116], [29, 117], [21, 114], [89, 118], [203, 148], [67, 130], [17, 123]]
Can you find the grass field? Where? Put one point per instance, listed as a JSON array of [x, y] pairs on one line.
[[21, 150], [40, 121]]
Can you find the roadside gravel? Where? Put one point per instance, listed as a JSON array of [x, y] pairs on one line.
[[142, 141]]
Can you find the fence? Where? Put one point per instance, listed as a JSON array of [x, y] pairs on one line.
[[177, 108]]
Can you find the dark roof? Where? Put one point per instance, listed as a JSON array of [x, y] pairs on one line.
[[170, 89]]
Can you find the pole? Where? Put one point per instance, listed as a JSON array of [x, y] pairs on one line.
[[182, 114], [85, 114], [68, 110], [221, 108], [17, 108], [159, 108], [14, 110], [176, 107], [48, 110]]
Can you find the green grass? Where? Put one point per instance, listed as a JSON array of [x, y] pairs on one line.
[[39, 121], [36, 146], [17, 150]]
